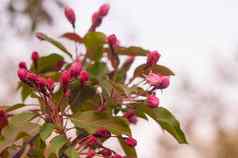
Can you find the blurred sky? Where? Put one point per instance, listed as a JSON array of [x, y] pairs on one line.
[[188, 33]]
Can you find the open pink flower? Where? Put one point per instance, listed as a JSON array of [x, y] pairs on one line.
[[153, 79]]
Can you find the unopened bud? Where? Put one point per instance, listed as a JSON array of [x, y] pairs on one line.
[[70, 15], [104, 9]]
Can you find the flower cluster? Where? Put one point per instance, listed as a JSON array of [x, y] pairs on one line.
[[75, 71], [82, 102]]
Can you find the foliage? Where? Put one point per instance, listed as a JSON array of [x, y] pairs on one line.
[[86, 98]]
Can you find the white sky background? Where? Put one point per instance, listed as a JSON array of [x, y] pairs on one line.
[[188, 33]]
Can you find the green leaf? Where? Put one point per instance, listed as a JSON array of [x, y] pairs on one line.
[[129, 151], [94, 42], [83, 98], [73, 37], [55, 145], [91, 121], [133, 50], [26, 91], [165, 119], [168, 122], [46, 131], [48, 63], [19, 126], [98, 70], [145, 69], [21, 118], [55, 43], [37, 148], [15, 107], [71, 153]]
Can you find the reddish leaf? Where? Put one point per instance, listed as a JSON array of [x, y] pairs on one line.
[[133, 50], [73, 37]]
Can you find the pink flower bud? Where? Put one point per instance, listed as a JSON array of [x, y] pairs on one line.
[[153, 57], [50, 84], [153, 79], [32, 77], [104, 9], [41, 82], [92, 140], [35, 56], [70, 15], [117, 156], [164, 82], [84, 76], [65, 79], [91, 153], [67, 93], [75, 69], [40, 36], [22, 65], [102, 133], [113, 41], [131, 116], [130, 141], [3, 118], [96, 20], [153, 101], [22, 74], [106, 152]]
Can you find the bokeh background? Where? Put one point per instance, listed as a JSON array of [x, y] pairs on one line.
[[198, 40]]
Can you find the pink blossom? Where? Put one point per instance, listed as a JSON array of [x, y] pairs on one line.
[[22, 74], [153, 79], [153, 101], [65, 79], [103, 133], [117, 156], [153, 57], [35, 56], [130, 141], [165, 82], [75, 69], [104, 9], [50, 84], [70, 15], [84, 76], [22, 65], [91, 153], [113, 40], [131, 116]]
